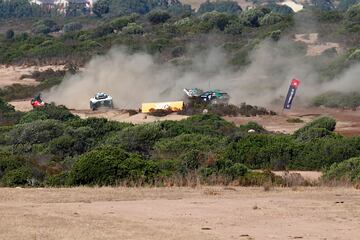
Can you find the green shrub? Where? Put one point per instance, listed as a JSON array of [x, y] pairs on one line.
[[10, 34], [235, 171], [208, 124], [313, 133], [121, 22], [231, 7], [140, 138], [17, 177], [186, 144], [346, 4], [352, 18], [180, 10], [9, 162], [101, 126], [280, 9], [36, 132], [354, 55], [72, 27], [294, 120], [234, 27], [321, 153], [262, 151], [260, 178], [110, 166], [133, 28], [348, 170], [58, 180], [62, 146], [270, 19], [326, 123], [252, 17], [33, 116], [158, 16], [45, 26], [214, 20], [335, 99], [252, 126]]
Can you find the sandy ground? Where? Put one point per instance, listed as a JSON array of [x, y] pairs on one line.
[[180, 213], [348, 121], [315, 47], [123, 116], [11, 74]]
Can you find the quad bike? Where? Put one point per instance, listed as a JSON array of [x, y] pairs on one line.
[[37, 102]]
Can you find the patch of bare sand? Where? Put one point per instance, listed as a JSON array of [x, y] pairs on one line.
[[180, 213], [22, 105], [315, 47], [124, 116], [10, 75]]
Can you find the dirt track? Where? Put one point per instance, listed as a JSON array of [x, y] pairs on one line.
[[180, 213], [348, 121]]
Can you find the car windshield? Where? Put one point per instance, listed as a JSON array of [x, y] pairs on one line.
[[101, 96]]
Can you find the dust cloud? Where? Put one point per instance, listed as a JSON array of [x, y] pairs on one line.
[[135, 78]]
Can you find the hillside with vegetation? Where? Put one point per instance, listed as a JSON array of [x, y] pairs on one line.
[[52, 147]]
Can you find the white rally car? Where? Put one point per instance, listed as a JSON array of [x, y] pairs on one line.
[[101, 100]]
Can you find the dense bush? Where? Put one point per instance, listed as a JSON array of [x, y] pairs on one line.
[[36, 132], [326, 123], [18, 9], [214, 20], [346, 171], [50, 111], [323, 152], [352, 18], [17, 177], [337, 100], [252, 17], [346, 4], [121, 22], [133, 28], [140, 138], [174, 148], [110, 166], [262, 151], [271, 19], [231, 7], [9, 162], [280, 9], [72, 27], [157, 17], [45, 26]]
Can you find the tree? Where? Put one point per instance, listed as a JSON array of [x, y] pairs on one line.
[[157, 17], [72, 27], [323, 5], [252, 17], [9, 34], [280, 9], [352, 18], [101, 7], [270, 19], [19, 9], [227, 6], [346, 4]]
